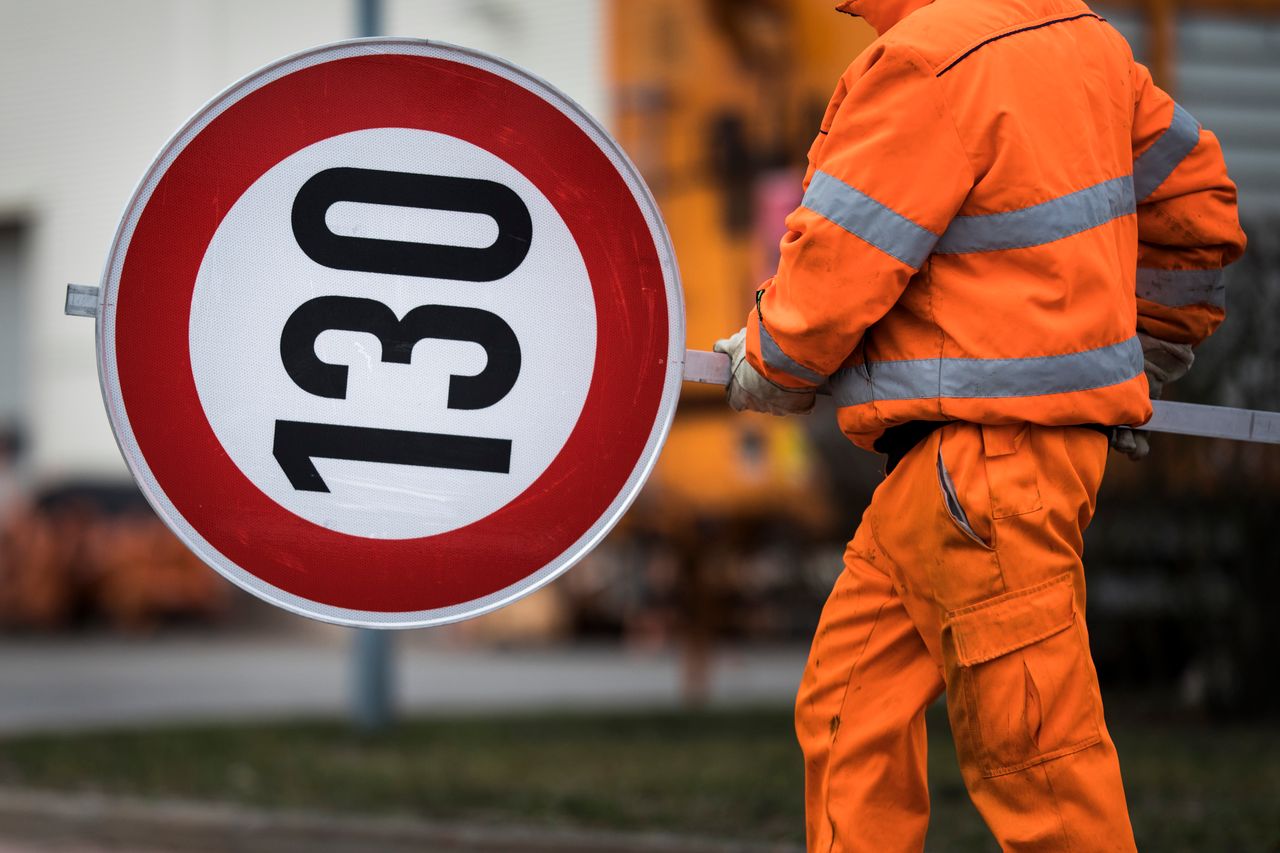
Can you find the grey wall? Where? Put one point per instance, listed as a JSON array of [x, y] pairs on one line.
[[14, 355]]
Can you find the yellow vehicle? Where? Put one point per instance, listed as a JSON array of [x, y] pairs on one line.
[[717, 102]]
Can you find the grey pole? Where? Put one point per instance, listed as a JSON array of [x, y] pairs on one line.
[[368, 18], [373, 682]]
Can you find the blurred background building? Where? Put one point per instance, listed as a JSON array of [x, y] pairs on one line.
[[91, 93], [739, 534]]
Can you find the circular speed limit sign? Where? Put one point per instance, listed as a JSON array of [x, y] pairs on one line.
[[391, 333]]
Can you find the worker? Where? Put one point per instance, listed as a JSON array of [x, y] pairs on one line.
[[1010, 238]]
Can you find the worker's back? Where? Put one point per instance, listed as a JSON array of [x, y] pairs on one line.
[[1044, 113], [1004, 160]]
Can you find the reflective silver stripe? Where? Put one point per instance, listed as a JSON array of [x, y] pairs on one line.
[[1157, 163], [863, 216], [1176, 288], [779, 360], [932, 378], [1041, 223]]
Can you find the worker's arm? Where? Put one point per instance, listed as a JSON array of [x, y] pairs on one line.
[[1188, 231], [1188, 226], [886, 176]]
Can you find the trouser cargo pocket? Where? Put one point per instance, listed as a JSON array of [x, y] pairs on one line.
[[1021, 688]]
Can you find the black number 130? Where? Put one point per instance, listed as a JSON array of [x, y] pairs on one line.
[[298, 443]]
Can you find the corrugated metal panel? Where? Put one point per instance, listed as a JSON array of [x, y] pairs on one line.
[[1228, 76]]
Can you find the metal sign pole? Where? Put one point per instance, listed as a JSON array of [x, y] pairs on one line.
[[368, 18], [373, 681], [373, 678]]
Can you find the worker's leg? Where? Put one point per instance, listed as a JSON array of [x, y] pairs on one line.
[[986, 528], [860, 716]]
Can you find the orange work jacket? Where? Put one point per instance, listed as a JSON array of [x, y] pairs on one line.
[[998, 200]]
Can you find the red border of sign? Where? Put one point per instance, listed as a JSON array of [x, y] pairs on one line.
[[153, 307]]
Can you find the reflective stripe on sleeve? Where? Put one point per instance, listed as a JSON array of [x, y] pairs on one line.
[[1157, 163], [1176, 288], [1041, 223], [933, 378], [863, 216], [779, 360]]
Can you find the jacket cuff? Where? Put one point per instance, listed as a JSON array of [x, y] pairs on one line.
[[772, 363]]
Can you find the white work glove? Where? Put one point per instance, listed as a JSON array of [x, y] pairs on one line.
[[1164, 362], [1131, 442], [749, 391]]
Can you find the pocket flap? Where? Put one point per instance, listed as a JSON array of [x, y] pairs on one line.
[[1008, 622]]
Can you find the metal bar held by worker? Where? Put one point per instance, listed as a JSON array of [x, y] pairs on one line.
[[712, 368]]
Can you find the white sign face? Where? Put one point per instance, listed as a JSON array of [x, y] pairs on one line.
[[391, 333], [248, 297]]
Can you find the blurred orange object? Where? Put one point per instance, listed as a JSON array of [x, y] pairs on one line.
[[142, 572], [715, 466], [716, 103], [36, 566], [68, 559]]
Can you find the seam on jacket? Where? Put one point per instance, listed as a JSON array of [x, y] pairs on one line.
[[1019, 28], [817, 184], [955, 128], [1163, 157], [776, 358]]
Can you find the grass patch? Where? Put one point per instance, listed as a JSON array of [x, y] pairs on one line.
[[724, 773]]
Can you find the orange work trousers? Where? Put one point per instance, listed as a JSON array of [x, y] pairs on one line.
[[965, 574]]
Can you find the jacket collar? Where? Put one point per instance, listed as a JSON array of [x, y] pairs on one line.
[[881, 14]]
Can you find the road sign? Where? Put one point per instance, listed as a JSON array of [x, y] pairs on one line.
[[391, 333]]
